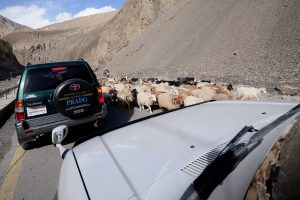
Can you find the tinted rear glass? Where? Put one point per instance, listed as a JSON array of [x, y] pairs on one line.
[[49, 78]]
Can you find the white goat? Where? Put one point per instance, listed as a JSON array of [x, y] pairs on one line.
[[120, 86], [169, 101], [191, 100], [125, 96], [145, 99], [206, 93], [165, 88], [107, 92], [249, 92]]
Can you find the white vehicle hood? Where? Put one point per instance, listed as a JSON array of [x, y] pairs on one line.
[[151, 159]]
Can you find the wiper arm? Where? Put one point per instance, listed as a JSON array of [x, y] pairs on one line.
[[237, 137], [224, 164], [229, 158]]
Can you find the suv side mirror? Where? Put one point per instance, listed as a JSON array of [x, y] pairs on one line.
[[58, 135]]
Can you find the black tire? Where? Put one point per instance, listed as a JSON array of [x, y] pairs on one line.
[[28, 145]]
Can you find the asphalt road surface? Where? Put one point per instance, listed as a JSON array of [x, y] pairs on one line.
[[37, 170]]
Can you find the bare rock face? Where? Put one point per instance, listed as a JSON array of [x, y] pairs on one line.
[[7, 26], [8, 62]]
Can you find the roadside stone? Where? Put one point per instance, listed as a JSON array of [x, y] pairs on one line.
[[287, 90]]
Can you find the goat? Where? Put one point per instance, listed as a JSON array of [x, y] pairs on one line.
[[205, 93], [125, 96], [191, 100], [120, 86], [169, 101], [108, 93], [145, 99], [220, 90], [249, 92]]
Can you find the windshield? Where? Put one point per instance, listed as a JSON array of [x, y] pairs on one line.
[[40, 79]]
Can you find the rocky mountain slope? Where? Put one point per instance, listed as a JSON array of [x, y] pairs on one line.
[[94, 38], [241, 41], [7, 26], [8, 62], [246, 42], [56, 42]]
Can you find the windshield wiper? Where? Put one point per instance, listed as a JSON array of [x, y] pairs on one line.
[[237, 137], [229, 158], [225, 163]]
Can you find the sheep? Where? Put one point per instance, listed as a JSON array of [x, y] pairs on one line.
[[125, 96], [108, 93], [205, 93], [163, 88], [189, 87], [203, 84], [249, 92], [222, 97], [191, 100], [219, 89], [229, 87], [102, 81], [120, 86], [145, 99], [169, 101]]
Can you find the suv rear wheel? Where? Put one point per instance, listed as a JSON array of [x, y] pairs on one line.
[[29, 145]]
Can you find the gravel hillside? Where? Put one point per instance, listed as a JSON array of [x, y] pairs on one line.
[[240, 41]]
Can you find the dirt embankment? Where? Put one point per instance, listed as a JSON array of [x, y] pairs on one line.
[[9, 65]]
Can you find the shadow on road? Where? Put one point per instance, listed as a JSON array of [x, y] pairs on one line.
[[116, 116]]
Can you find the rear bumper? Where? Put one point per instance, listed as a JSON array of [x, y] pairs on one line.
[[35, 130]]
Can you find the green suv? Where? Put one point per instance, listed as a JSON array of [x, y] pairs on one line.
[[53, 94]]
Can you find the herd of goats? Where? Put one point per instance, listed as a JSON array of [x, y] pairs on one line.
[[167, 95]]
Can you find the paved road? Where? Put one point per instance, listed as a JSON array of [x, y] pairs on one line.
[[39, 167]]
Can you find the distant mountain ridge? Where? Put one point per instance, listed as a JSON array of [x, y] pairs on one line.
[[109, 33], [8, 26]]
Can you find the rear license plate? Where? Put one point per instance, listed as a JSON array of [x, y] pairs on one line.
[[36, 110]]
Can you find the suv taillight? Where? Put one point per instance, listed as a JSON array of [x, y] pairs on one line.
[[19, 110], [100, 96]]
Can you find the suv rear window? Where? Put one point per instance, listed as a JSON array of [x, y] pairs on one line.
[[49, 78]]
